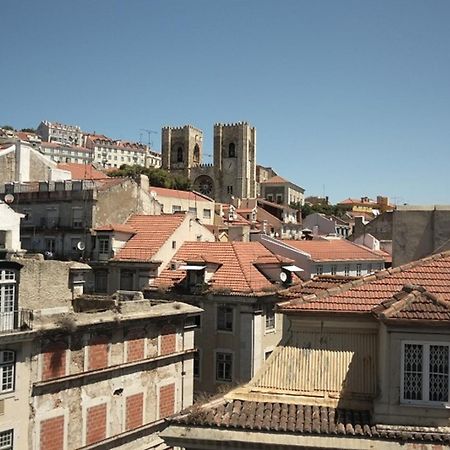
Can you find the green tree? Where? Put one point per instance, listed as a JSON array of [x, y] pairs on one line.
[[7, 127], [157, 177]]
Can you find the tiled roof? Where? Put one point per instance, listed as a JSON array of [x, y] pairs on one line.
[[275, 180], [82, 171], [182, 195], [237, 273], [414, 303], [334, 250], [364, 294], [303, 420], [151, 233], [318, 284], [121, 228]]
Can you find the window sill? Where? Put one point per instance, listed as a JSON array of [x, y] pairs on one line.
[[270, 331], [423, 404]]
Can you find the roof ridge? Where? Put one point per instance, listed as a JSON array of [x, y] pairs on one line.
[[369, 278], [240, 265]]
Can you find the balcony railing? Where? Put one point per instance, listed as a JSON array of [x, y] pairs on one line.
[[17, 320]]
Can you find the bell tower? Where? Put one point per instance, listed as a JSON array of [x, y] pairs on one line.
[[181, 148], [235, 160]]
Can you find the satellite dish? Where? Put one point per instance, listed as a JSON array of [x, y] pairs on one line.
[[81, 246], [283, 277], [9, 198]]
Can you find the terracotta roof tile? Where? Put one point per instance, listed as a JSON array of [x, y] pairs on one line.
[[183, 195], [320, 283], [151, 233], [304, 420], [334, 250], [275, 180], [122, 228], [237, 272], [82, 171], [364, 294]]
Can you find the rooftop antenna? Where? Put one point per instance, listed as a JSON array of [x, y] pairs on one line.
[[149, 132]]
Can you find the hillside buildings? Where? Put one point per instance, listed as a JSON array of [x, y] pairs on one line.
[[362, 365]]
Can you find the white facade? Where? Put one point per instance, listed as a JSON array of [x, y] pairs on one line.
[[59, 132]]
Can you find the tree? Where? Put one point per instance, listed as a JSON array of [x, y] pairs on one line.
[[157, 177], [7, 127], [28, 130]]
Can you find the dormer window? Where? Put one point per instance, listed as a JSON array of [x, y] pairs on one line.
[[195, 274]]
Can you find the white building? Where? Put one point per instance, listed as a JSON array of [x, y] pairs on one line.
[[114, 153], [59, 132]]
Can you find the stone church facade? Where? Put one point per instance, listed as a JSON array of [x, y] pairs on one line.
[[233, 173]]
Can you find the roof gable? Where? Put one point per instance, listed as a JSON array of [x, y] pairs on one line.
[[364, 294]]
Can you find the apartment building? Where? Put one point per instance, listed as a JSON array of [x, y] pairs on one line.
[[59, 132]]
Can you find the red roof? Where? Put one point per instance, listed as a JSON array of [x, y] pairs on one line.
[[363, 295], [275, 180], [182, 195], [237, 271], [121, 228], [334, 250], [82, 171], [151, 233]]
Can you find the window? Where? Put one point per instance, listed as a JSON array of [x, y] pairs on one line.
[[333, 269], [103, 245], [180, 154], [224, 366], [279, 199], [7, 366], [269, 313], [50, 245], [369, 268], [232, 150], [174, 244], [347, 270], [425, 372], [207, 214], [224, 318], [7, 299], [358, 270], [197, 364], [319, 270], [193, 211], [270, 197], [176, 208], [6, 440], [229, 189], [196, 153]]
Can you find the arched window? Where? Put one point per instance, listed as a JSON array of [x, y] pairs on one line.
[[232, 150], [196, 153], [7, 369], [180, 154]]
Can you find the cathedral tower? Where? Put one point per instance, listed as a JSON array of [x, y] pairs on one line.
[[181, 148], [235, 160]]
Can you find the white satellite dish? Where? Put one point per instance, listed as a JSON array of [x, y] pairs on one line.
[[9, 198], [283, 277], [81, 246]]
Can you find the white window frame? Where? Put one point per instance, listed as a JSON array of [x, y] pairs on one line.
[[347, 270], [7, 371], [425, 374], [7, 439], [319, 269], [333, 269], [358, 270], [101, 245], [270, 321]]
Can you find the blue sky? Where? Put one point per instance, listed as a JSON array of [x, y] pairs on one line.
[[349, 98]]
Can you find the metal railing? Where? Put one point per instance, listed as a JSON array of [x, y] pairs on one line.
[[17, 320]]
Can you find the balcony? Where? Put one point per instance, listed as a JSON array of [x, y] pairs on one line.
[[17, 320]]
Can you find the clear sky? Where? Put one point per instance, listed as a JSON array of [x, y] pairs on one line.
[[349, 98]]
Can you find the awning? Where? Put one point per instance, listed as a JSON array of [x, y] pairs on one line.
[[187, 267], [293, 269]]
